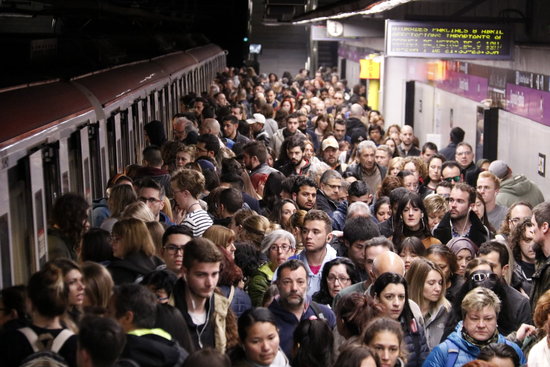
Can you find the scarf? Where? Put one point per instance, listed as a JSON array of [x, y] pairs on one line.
[[477, 343]]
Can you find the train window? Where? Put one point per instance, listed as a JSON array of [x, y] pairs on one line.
[[50, 164], [75, 162], [111, 146], [124, 140], [138, 129], [95, 161], [5, 251]]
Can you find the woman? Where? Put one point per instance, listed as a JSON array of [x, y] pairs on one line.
[[445, 260], [436, 207], [134, 251], [434, 172], [353, 312], [394, 132], [13, 308], [427, 288], [411, 219], [465, 250], [222, 237], [322, 127], [411, 249], [313, 344], [409, 179], [479, 209], [392, 145], [48, 296], [279, 245], [272, 192], [357, 356], [480, 310], [259, 341], [282, 212], [74, 282], [254, 228], [120, 196], [138, 210], [521, 243], [382, 209], [96, 246], [417, 166], [185, 154], [98, 287], [69, 223], [309, 152], [390, 293], [540, 353], [395, 166], [384, 337], [337, 275]]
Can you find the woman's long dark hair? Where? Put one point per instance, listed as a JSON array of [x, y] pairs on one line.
[[69, 215], [400, 231], [323, 295], [381, 283], [313, 343]]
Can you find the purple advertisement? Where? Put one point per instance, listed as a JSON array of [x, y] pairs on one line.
[[530, 103], [469, 86]]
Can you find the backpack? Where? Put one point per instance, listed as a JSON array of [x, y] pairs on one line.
[[42, 356], [317, 310]]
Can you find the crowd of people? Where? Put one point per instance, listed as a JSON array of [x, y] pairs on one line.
[[286, 224]]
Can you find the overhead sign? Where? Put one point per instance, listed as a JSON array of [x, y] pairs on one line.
[[448, 40]]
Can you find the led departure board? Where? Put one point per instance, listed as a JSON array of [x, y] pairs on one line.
[[448, 40]]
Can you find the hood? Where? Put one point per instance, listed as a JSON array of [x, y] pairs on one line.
[[517, 185], [152, 351], [137, 262]]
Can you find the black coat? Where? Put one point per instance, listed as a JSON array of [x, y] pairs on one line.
[[133, 267], [152, 350], [478, 232]]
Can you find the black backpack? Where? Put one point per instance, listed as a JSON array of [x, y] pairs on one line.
[[45, 356]]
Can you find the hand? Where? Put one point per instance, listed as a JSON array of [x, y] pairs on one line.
[[179, 214], [524, 331]]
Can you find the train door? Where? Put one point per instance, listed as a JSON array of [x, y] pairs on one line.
[[39, 247], [96, 163], [114, 145], [6, 251], [156, 101], [75, 162], [139, 114], [64, 172], [130, 127], [84, 168], [51, 170]]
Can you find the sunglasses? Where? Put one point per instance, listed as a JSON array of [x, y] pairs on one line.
[[451, 179], [480, 277]]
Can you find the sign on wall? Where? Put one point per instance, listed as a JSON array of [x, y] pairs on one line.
[[448, 40]]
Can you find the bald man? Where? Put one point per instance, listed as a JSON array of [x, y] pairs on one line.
[[407, 148], [210, 126]]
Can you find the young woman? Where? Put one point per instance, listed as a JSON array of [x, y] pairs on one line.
[[465, 250], [411, 249], [479, 209], [436, 207], [72, 275], [445, 260], [434, 171], [98, 287], [357, 356], [282, 212], [427, 288], [417, 166], [222, 237], [337, 275], [382, 209], [353, 312], [411, 219], [259, 341], [395, 166], [323, 127], [384, 337], [313, 344], [390, 293], [120, 196], [394, 132], [392, 145]]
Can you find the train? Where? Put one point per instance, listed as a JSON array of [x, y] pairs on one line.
[[62, 136]]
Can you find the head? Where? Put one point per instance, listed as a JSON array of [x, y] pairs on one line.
[[395, 166], [357, 233], [411, 214], [201, 267], [359, 191], [457, 135], [133, 306], [443, 189], [131, 236], [13, 304], [521, 242], [436, 207], [500, 169], [366, 151], [382, 209], [407, 135], [151, 193], [464, 154], [98, 285], [357, 356], [292, 121], [488, 185], [70, 216], [427, 284], [386, 262], [100, 341], [461, 201], [187, 185], [464, 250], [434, 165], [330, 151], [383, 155], [500, 354], [313, 343], [517, 212], [353, 312], [316, 231], [121, 195], [174, 240], [254, 154], [278, 245], [254, 229], [330, 184], [337, 275], [541, 316], [339, 129], [258, 335], [304, 192], [292, 283], [96, 245], [222, 237], [496, 254], [208, 145], [384, 337], [429, 149], [480, 308], [152, 156], [444, 258], [541, 221], [411, 248]]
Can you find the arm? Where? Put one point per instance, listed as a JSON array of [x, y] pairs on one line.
[[437, 358]]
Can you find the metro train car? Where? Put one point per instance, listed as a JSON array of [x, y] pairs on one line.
[[64, 136]]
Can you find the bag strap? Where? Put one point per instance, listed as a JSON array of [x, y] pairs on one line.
[[231, 294], [57, 343], [315, 306], [452, 353], [60, 339], [31, 337]]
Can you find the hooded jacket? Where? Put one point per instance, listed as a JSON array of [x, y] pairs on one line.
[[519, 188], [541, 280], [133, 267], [466, 351], [151, 348], [478, 232]]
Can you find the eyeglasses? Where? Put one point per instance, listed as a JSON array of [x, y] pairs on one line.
[[149, 200], [516, 220], [282, 248], [480, 277], [174, 249], [342, 280], [451, 179]]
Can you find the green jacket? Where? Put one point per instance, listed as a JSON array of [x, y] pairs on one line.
[[541, 281], [259, 283]]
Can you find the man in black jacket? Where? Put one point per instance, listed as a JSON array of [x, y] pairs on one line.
[[329, 191]]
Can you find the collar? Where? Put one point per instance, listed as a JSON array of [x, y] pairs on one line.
[[157, 332]]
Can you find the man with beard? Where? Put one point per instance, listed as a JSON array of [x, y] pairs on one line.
[[304, 193], [367, 169], [330, 152], [291, 129], [407, 148], [293, 305], [297, 164], [460, 220], [541, 278]]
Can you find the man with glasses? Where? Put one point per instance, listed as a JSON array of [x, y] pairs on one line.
[[329, 191], [294, 303], [174, 240], [152, 194], [450, 172], [465, 157], [460, 220]]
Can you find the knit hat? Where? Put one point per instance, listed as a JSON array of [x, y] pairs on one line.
[[499, 169], [460, 243]]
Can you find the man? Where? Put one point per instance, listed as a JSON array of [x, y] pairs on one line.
[[488, 186], [206, 313], [254, 160], [354, 123], [456, 136], [329, 191], [514, 188], [460, 220], [100, 342], [429, 149], [152, 168], [231, 130], [134, 307], [497, 255], [270, 98], [450, 172], [257, 126], [367, 169], [208, 146], [358, 191], [407, 148], [174, 240], [316, 235], [541, 278], [304, 193], [210, 126], [444, 188], [291, 129], [293, 304], [358, 231], [297, 164], [152, 194], [330, 151], [383, 155], [230, 200], [184, 130], [187, 185], [339, 131], [465, 157]]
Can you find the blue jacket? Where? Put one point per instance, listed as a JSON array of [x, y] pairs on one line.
[[466, 351], [287, 322]]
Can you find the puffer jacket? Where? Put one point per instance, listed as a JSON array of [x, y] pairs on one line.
[[417, 347], [259, 283], [519, 188], [466, 351]]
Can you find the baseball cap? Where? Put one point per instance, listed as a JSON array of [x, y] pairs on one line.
[[329, 142], [258, 117], [499, 169]]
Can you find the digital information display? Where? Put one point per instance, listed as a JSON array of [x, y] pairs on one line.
[[448, 40]]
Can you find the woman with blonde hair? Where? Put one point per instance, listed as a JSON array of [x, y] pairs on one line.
[[133, 250], [255, 228], [99, 287], [222, 237], [119, 197], [395, 166], [138, 210], [156, 230], [427, 288]]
